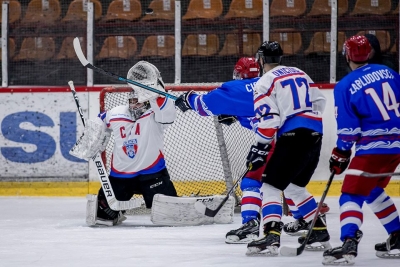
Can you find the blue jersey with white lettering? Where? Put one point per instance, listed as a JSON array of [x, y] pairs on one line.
[[367, 110], [231, 98]]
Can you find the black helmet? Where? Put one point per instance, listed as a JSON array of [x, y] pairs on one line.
[[270, 52]]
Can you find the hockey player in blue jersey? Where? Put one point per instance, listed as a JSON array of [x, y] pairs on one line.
[[368, 116], [233, 101]]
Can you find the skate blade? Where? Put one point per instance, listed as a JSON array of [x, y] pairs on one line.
[[104, 222], [233, 239], [347, 260], [388, 254], [121, 218], [299, 233], [322, 247], [269, 251]]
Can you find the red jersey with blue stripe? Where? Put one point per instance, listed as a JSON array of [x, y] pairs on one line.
[[285, 100]]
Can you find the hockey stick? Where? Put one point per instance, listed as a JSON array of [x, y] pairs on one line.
[[288, 251], [102, 172], [85, 63], [200, 207], [371, 175]]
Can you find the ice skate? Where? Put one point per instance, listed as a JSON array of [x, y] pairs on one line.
[[245, 234], [389, 249], [345, 254], [319, 238], [296, 228], [269, 244]]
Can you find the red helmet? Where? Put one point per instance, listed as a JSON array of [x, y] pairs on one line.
[[246, 68], [357, 48]]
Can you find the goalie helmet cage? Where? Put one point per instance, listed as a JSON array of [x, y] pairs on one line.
[[203, 157]]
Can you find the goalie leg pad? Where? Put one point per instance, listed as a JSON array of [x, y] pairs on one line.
[[180, 211], [91, 209], [91, 213]]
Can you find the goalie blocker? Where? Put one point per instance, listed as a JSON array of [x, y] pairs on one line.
[[171, 211]]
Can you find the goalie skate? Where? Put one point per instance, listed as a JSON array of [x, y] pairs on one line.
[[245, 234], [91, 214], [389, 249]]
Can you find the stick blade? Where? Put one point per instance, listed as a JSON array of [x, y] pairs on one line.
[[200, 207], [288, 251], [79, 52]]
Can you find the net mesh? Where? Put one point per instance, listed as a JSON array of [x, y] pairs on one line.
[[203, 157]]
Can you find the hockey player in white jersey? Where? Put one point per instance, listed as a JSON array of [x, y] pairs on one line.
[[137, 163], [290, 110]]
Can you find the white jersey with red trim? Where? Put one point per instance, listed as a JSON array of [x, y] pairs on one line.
[[141, 150], [119, 121], [285, 100]]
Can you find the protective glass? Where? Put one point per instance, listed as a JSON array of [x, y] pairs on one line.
[[258, 55], [236, 75], [344, 49]]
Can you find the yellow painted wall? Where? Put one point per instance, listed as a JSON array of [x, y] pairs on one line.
[[77, 189]]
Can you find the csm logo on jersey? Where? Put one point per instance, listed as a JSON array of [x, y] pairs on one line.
[[130, 148]]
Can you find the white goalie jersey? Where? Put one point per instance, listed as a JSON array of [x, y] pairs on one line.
[[139, 145]]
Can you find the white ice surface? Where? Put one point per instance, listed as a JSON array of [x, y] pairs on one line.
[[52, 232]]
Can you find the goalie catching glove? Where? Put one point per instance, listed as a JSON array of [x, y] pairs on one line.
[[257, 156], [93, 140]]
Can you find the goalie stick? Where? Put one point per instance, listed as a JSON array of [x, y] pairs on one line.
[[85, 63], [102, 172], [200, 207], [289, 251], [371, 175]]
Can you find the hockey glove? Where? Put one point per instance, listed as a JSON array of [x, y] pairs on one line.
[[182, 102], [257, 156], [226, 119], [339, 160]]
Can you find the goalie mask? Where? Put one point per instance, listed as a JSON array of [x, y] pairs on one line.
[[246, 68], [136, 107], [146, 74]]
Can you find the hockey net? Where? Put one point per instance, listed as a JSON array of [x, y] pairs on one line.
[[203, 157]]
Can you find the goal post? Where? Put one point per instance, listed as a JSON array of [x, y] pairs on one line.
[[203, 157]]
